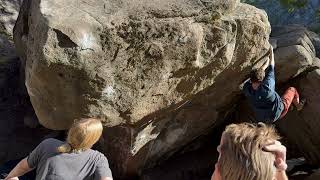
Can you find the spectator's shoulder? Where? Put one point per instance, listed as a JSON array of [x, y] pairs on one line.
[[99, 156], [51, 140], [97, 153], [51, 144]]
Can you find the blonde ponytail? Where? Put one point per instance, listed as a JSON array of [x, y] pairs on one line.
[[82, 135], [64, 148]]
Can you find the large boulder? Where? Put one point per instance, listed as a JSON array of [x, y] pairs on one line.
[[158, 73]]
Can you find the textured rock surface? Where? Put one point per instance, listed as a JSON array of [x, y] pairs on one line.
[[9, 62], [294, 53], [314, 176], [154, 71], [315, 39], [9, 10], [8, 15]]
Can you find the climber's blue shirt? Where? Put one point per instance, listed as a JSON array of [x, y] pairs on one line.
[[265, 101]]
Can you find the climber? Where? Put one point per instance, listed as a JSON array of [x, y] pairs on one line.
[[72, 159], [260, 90], [250, 151]]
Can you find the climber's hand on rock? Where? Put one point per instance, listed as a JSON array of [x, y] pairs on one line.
[[271, 56]]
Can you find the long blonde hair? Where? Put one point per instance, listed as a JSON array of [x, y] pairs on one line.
[[242, 155], [82, 135]]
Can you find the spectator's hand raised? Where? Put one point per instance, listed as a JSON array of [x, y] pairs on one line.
[[280, 152]]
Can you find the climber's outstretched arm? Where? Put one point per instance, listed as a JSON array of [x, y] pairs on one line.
[[266, 64], [270, 60], [271, 56], [21, 168]]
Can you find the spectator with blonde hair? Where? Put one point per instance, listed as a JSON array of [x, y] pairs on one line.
[[250, 152], [73, 159]]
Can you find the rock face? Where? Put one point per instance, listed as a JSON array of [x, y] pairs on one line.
[[294, 53], [9, 61], [314, 176], [9, 10], [302, 128], [315, 38], [158, 73], [8, 14]]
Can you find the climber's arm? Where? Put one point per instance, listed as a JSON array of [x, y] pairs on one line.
[[270, 60], [266, 64], [21, 168], [271, 56], [243, 85]]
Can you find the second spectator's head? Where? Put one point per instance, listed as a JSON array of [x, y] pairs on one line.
[[241, 152], [82, 135]]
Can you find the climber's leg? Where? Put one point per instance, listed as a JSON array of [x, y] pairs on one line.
[[290, 96]]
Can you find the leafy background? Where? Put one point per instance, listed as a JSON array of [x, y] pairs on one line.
[[284, 12]]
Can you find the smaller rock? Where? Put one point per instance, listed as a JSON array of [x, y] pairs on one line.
[[9, 11], [294, 53], [314, 176], [295, 162], [315, 39]]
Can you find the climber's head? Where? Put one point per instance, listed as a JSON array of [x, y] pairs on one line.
[[256, 77], [82, 135], [241, 154]]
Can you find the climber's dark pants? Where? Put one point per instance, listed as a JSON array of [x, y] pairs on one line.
[[290, 96]]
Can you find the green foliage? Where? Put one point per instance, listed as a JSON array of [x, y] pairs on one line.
[[293, 4], [290, 4]]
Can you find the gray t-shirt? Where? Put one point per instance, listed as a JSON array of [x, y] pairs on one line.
[[52, 165]]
